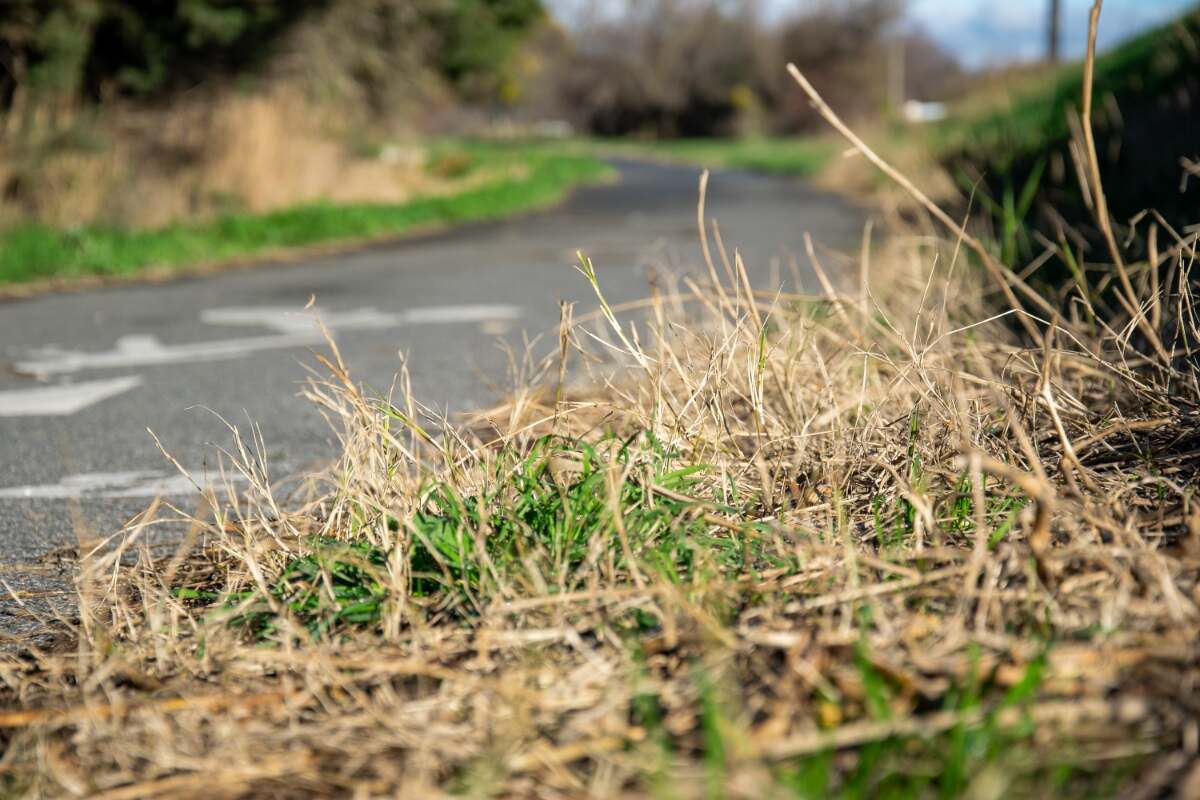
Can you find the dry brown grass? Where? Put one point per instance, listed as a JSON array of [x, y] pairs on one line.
[[923, 553], [925, 502], [215, 151]]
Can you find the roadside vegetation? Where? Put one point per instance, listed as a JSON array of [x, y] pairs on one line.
[[459, 180], [922, 534], [466, 182], [1024, 111], [1011, 151], [449, 181]]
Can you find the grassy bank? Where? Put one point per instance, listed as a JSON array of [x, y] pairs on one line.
[[790, 156], [1012, 151], [1026, 112], [497, 180], [486, 180], [1015, 144]]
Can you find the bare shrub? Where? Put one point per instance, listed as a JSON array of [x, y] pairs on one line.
[[215, 152], [840, 47], [694, 67], [930, 71], [667, 68]]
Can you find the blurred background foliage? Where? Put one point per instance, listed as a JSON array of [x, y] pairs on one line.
[[665, 67], [93, 49], [139, 113]]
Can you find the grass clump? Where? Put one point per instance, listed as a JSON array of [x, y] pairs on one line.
[[542, 515], [506, 179], [550, 513], [848, 547], [335, 586]]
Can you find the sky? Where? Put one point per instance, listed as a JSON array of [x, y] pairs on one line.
[[988, 32]]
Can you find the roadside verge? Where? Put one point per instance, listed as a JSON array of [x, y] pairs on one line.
[[36, 258]]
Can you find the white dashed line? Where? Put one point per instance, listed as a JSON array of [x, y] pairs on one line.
[[110, 485]]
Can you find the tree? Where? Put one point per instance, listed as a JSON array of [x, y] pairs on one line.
[[476, 39], [87, 48]]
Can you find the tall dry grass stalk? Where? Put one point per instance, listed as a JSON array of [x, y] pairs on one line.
[[758, 545]]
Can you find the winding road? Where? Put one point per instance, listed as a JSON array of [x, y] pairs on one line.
[[84, 376]]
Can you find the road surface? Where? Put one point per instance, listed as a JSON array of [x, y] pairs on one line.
[[83, 376]]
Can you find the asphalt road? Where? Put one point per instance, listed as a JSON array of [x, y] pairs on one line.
[[84, 375]]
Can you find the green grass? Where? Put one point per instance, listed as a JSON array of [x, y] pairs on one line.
[[541, 516], [995, 737], [527, 177], [797, 156]]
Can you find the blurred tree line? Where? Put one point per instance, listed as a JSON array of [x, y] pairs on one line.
[[643, 67], [144, 111], [89, 50], [709, 67]]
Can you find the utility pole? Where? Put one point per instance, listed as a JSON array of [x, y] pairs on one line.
[[1053, 24], [897, 81]]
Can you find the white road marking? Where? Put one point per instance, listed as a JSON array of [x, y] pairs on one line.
[[142, 351], [288, 319], [110, 485], [60, 401], [469, 313], [293, 328]]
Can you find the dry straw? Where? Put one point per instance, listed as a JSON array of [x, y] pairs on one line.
[[729, 546]]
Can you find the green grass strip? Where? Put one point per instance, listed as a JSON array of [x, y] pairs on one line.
[[34, 251], [797, 156]]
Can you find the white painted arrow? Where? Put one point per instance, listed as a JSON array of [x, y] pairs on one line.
[[291, 328], [64, 400]]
